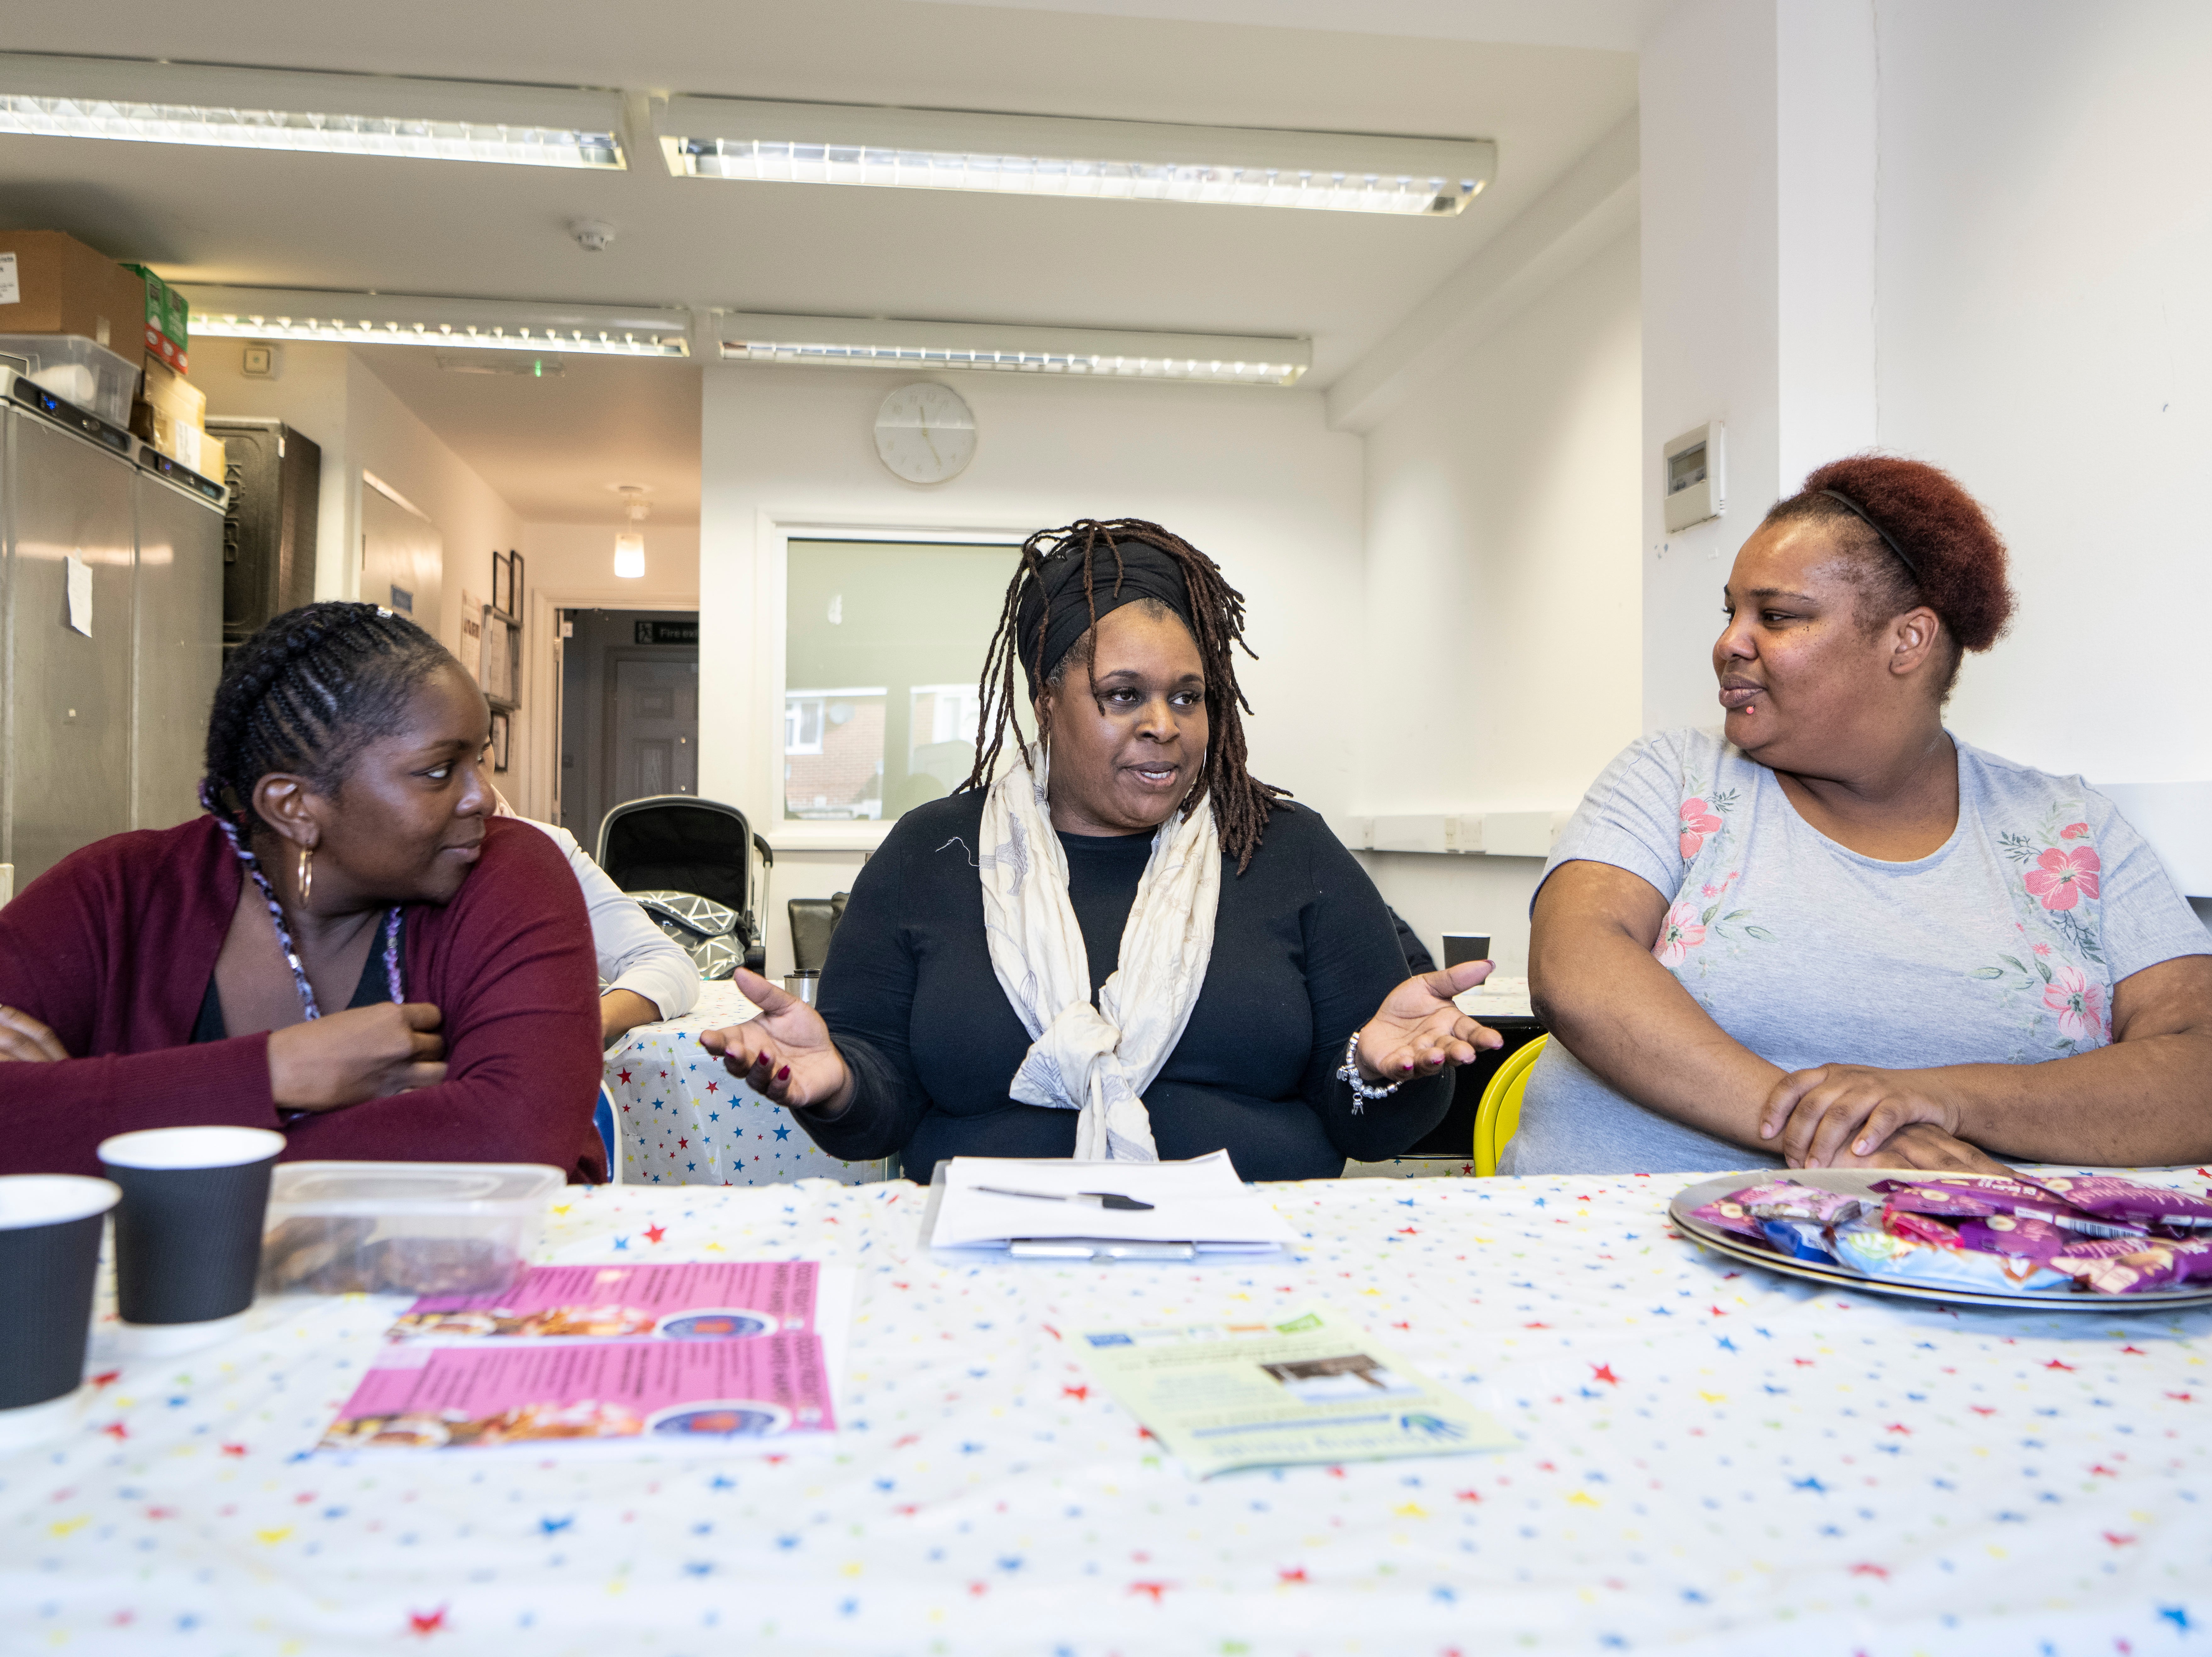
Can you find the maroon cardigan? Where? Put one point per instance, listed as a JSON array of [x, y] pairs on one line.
[[112, 948]]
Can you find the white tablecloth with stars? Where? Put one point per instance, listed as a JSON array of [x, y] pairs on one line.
[[1713, 1460], [686, 1120]]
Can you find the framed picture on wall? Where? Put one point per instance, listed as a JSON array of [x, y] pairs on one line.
[[498, 676], [514, 587], [498, 730]]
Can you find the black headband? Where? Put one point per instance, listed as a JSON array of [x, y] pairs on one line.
[[1860, 513], [1052, 599]]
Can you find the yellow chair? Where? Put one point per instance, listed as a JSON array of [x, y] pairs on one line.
[[1499, 1114]]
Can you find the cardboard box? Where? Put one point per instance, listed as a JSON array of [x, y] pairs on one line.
[[168, 319], [51, 283], [174, 417], [214, 460]]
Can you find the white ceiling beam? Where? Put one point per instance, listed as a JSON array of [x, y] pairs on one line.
[[1597, 25], [1595, 201]]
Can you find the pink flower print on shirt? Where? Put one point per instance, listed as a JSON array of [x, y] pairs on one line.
[[1697, 821], [2079, 1003], [2074, 831], [2043, 948], [1681, 932], [2062, 879]]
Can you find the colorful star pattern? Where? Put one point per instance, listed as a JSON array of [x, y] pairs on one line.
[[1672, 1494], [685, 1120]]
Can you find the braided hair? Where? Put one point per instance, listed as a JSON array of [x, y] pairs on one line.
[[1241, 802], [305, 694]]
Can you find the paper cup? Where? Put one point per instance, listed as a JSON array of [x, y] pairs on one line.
[[49, 1255], [188, 1229]]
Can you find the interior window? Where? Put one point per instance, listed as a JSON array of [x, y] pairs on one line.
[[884, 645]]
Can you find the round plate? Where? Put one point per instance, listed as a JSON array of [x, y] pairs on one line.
[[1859, 1182]]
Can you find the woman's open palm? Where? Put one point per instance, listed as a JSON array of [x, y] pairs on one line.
[[1418, 1030], [786, 1053]]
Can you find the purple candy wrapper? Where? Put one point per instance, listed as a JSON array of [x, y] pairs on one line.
[[2108, 1197]]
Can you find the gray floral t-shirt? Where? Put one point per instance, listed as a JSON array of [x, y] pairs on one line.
[[2003, 947]]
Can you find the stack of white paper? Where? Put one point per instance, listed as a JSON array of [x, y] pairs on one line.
[[1200, 1203]]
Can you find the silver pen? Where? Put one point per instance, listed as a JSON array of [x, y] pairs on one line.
[[1082, 1198]]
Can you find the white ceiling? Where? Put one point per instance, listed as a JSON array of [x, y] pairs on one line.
[[212, 215]]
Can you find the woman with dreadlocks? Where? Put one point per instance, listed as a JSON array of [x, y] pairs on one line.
[[348, 946], [1118, 943]]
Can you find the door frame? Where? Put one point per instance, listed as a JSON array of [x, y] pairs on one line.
[[538, 740]]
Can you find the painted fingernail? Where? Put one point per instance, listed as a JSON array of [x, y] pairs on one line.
[[784, 1075]]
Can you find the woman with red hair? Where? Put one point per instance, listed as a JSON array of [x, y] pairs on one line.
[[1833, 933]]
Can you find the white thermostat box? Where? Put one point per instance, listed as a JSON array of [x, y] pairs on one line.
[[1692, 476]]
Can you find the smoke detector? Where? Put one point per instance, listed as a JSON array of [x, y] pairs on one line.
[[592, 235]]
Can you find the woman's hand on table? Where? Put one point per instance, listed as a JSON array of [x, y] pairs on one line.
[[786, 1053], [1930, 1150], [364, 1053], [24, 1040], [1418, 1030], [1835, 1114]]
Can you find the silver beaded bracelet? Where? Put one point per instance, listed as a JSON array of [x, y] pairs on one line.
[[1349, 1072]]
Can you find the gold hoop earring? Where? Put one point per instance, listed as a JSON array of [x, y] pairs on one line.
[[306, 875]]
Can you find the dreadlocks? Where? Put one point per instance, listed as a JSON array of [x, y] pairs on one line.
[[1039, 602]]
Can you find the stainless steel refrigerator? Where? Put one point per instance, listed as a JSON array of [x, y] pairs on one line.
[[110, 631]]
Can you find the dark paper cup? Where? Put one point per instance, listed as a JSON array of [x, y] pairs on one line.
[[1465, 946], [49, 1256], [188, 1229]]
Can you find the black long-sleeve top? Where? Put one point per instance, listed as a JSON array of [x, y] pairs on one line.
[[1303, 954]]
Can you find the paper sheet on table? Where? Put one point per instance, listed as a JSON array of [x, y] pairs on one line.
[[1311, 1388], [684, 1397], [1199, 1201]]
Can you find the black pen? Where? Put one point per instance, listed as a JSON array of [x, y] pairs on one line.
[[1085, 1199]]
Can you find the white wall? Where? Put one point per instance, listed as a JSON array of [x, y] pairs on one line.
[[2045, 257], [1977, 232], [1504, 614], [1251, 475], [572, 565]]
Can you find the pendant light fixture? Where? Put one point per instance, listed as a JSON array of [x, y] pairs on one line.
[[629, 545]]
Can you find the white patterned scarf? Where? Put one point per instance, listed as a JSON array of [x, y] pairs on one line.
[[1095, 1060]]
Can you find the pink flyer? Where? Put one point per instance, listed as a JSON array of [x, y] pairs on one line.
[[679, 1395], [702, 1301]]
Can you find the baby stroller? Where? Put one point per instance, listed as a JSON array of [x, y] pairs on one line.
[[688, 862]]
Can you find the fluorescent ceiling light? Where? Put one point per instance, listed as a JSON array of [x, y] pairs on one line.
[[845, 342], [59, 97], [449, 324], [1050, 155]]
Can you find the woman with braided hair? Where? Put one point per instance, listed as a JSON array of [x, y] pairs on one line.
[[347, 946], [1113, 941]]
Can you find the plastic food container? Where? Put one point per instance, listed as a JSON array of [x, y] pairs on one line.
[[402, 1227], [76, 370]]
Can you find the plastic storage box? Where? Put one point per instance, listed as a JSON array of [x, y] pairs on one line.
[[402, 1227], [76, 370]]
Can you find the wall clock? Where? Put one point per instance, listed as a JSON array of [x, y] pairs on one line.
[[924, 433]]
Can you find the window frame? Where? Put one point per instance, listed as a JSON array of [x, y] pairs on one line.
[[775, 532]]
